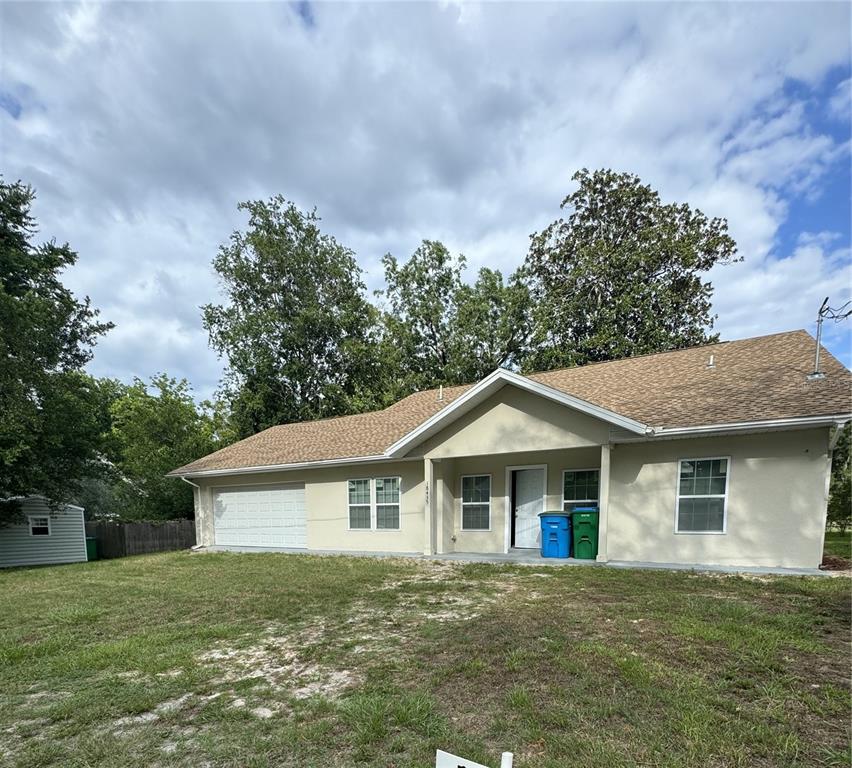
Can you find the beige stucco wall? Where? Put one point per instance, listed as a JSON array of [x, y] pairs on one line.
[[327, 510], [776, 501], [514, 420], [776, 504]]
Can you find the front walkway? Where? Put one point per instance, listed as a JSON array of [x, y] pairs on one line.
[[531, 557]]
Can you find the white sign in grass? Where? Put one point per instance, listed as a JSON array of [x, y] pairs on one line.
[[446, 760]]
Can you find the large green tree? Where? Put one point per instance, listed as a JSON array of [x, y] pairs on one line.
[[493, 324], [156, 427], [52, 415], [296, 330], [623, 274], [421, 316], [438, 329], [840, 498]]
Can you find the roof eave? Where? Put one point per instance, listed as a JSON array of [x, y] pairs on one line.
[[743, 426], [283, 467]]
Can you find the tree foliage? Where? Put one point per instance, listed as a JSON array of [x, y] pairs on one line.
[[840, 498], [421, 318], [156, 427], [52, 415], [296, 330], [439, 329], [622, 275], [494, 324]]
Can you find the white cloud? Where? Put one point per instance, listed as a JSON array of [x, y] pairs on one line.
[[840, 104], [771, 294], [143, 125]]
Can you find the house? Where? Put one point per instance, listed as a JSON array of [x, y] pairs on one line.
[[45, 536], [711, 455]]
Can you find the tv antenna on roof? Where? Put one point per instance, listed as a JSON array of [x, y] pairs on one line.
[[825, 311]]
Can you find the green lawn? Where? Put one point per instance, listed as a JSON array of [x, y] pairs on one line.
[[269, 660], [839, 544]]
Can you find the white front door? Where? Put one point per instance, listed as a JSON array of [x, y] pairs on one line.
[[260, 516], [529, 501]]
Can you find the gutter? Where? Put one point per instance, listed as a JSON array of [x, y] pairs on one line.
[[746, 426]]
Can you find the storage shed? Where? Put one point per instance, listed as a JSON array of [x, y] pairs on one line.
[[45, 536]]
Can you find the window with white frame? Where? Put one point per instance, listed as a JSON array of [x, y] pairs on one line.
[[40, 526], [360, 506], [702, 495], [374, 503], [387, 503], [580, 488], [476, 502]]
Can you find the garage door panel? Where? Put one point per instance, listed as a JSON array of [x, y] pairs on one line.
[[261, 516]]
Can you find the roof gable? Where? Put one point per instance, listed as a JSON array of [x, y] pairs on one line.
[[491, 384], [516, 417]]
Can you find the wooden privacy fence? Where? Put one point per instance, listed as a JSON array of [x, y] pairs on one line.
[[122, 539]]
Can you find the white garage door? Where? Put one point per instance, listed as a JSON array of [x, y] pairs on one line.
[[260, 516]]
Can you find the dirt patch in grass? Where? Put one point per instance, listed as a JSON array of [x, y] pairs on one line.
[[278, 662], [302, 661], [835, 563]]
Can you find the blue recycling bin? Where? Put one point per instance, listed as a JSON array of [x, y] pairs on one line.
[[555, 534]]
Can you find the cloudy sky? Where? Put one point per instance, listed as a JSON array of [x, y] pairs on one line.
[[142, 125]]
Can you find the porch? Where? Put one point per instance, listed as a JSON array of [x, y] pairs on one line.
[[488, 505]]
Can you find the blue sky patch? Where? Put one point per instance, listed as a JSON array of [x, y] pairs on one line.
[[8, 103], [306, 12]]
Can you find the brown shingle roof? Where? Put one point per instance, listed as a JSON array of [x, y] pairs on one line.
[[757, 379]]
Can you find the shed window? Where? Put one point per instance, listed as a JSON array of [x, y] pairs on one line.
[[702, 495], [374, 503], [476, 502], [39, 526], [580, 488]]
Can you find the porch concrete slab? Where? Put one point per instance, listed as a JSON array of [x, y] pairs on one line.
[[532, 558]]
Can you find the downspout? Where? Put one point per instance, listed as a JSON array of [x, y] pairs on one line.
[[838, 428], [198, 520]]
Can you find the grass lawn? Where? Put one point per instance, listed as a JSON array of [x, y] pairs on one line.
[[269, 660], [839, 544]]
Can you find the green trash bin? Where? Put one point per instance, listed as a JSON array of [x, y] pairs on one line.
[[91, 548], [585, 525]]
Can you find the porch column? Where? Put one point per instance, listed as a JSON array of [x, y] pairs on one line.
[[438, 495], [429, 507], [603, 504]]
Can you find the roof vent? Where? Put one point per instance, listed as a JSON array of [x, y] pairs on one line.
[[711, 363]]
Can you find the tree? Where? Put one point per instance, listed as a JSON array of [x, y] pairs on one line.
[[52, 420], [440, 330], [493, 324], [157, 427], [420, 324], [840, 497], [623, 275], [296, 330]]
